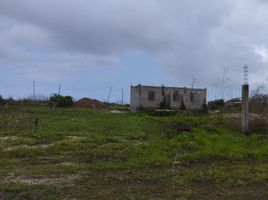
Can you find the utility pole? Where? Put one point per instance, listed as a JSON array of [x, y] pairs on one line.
[[223, 82], [34, 91], [245, 99], [59, 89], [109, 94], [122, 96]]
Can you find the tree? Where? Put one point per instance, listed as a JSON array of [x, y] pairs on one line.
[[204, 108], [163, 104], [236, 99], [2, 100], [56, 100], [261, 99], [182, 105], [216, 104]]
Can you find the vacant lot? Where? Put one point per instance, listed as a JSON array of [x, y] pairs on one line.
[[81, 154]]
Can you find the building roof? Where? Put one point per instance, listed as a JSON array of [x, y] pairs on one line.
[[168, 87]]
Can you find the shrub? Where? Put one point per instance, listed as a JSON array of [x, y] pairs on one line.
[[2, 101], [259, 124], [260, 99], [182, 105], [216, 104], [204, 108], [258, 103], [60, 101], [236, 99], [164, 104]]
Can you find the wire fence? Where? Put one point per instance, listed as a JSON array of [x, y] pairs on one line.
[[40, 90]]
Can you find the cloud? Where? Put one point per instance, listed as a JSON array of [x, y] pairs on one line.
[[59, 66], [262, 52], [183, 37]]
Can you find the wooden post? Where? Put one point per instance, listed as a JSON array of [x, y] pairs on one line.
[[36, 124]]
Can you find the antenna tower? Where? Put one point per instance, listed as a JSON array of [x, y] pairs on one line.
[[245, 75]]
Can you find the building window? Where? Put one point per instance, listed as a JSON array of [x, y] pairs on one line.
[[180, 98], [176, 96], [194, 97], [151, 95]]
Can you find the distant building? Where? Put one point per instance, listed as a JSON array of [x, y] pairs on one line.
[[151, 97]]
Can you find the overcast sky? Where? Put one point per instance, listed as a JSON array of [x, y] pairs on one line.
[[90, 45]]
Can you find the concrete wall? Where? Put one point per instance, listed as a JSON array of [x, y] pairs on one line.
[[139, 97]]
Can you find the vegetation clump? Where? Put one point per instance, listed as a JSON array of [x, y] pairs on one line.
[[216, 104], [2, 100], [258, 103], [204, 108], [60, 101], [182, 107], [164, 104]]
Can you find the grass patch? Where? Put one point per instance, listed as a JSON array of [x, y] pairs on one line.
[[74, 152]]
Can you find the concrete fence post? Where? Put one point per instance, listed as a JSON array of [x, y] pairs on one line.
[[245, 115]]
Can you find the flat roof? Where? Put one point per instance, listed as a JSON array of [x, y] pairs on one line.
[[168, 87]]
